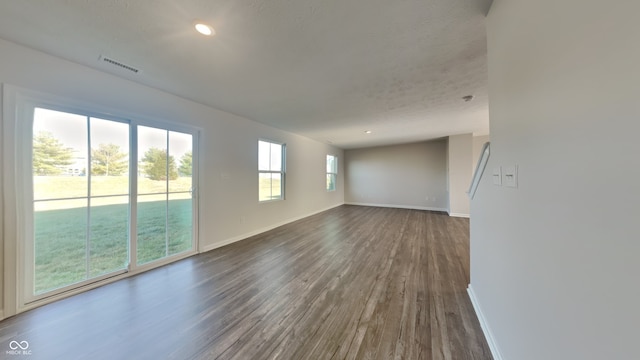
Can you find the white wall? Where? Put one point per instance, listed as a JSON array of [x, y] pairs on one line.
[[555, 263], [460, 150], [229, 209], [406, 176]]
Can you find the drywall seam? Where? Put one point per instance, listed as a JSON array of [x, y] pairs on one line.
[[260, 231], [493, 345], [398, 206]]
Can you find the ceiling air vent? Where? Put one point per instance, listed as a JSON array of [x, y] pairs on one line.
[[119, 64]]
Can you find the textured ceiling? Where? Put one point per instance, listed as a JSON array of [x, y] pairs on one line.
[[328, 70]]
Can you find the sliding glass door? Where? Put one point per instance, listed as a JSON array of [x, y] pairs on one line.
[[80, 199], [107, 196], [165, 203]]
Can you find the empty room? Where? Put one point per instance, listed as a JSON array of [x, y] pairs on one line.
[[251, 179]]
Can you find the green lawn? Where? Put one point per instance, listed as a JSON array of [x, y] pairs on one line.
[[62, 234], [268, 188], [46, 187]]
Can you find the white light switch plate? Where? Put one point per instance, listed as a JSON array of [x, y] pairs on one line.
[[497, 176], [511, 176]]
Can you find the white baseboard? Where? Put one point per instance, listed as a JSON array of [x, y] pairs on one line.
[[261, 230], [491, 341], [398, 206], [454, 214]]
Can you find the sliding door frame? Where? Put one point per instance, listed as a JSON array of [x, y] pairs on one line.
[[17, 209], [133, 256], [28, 243]]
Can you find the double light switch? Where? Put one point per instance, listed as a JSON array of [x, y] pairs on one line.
[[508, 176]]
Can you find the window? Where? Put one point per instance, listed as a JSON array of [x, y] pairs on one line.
[[332, 172], [271, 165]]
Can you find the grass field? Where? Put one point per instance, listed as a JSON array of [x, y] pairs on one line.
[[70, 248], [64, 187], [61, 240], [268, 188]]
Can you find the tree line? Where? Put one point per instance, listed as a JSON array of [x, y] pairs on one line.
[[51, 157]]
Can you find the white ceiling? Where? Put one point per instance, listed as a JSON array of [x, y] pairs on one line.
[[325, 69]]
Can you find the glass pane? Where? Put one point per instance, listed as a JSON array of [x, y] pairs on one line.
[[331, 182], [180, 223], [59, 186], [332, 164], [152, 160], [109, 157], [152, 229], [276, 186], [180, 157], [276, 157], [109, 234], [148, 186], [264, 186], [264, 155], [60, 237], [59, 154]]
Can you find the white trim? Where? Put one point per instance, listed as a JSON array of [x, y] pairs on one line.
[[491, 341], [262, 230], [10, 215], [459, 215], [411, 207]]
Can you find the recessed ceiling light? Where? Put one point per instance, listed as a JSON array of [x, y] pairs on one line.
[[205, 29], [367, 131]]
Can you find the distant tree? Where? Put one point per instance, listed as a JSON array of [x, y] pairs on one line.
[[155, 165], [108, 160], [186, 164], [49, 154]]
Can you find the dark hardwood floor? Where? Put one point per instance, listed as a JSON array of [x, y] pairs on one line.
[[349, 283]]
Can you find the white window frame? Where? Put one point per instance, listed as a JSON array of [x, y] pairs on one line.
[[17, 124], [282, 170], [334, 174]]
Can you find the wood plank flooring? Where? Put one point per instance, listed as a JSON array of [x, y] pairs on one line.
[[350, 283]]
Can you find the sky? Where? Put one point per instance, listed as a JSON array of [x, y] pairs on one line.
[[72, 129]]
